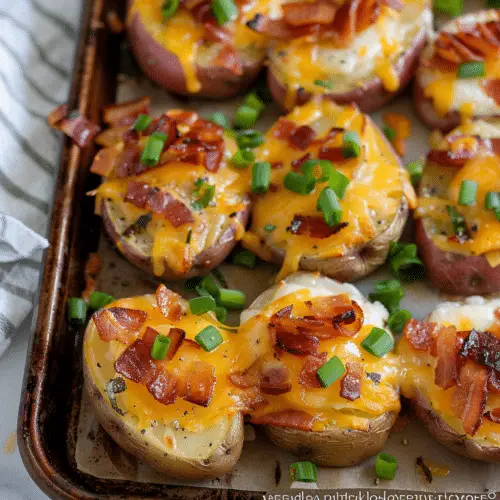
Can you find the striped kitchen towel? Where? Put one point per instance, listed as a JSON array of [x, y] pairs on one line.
[[37, 43]]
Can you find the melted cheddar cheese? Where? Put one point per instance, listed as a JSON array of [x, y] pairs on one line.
[[374, 52], [373, 197], [418, 368], [440, 188], [185, 37]]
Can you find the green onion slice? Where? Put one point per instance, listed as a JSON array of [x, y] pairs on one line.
[[338, 182], [379, 342], [269, 228], [304, 471], [221, 314], [160, 347], [220, 119], [472, 69], [496, 211], [169, 8], [324, 83], [201, 305], [311, 169], [151, 154], [415, 169], [209, 338], [204, 195], [386, 466], [331, 371], [261, 177], [389, 293], [492, 200], [77, 311], [243, 158], [398, 319], [328, 204], [142, 123], [224, 11], [298, 183], [249, 139], [390, 133], [458, 221], [252, 100], [100, 299], [404, 262], [351, 145], [245, 258], [209, 284], [231, 299], [245, 116], [468, 193]]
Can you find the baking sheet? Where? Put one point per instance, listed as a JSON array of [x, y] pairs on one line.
[[263, 466]]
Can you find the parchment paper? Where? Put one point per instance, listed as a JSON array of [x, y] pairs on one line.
[[263, 466]]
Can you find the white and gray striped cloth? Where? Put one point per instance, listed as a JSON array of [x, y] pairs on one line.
[[37, 44]]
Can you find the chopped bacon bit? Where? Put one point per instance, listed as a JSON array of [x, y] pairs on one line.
[[331, 154], [126, 113], [492, 89], [297, 163], [247, 378], [277, 165], [135, 362], [118, 323], [457, 158], [92, 268], [354, 17], [129, 161], [149, 336], [292, 419], [304, 13], [420, 334], [307, 375], [170, 303], [331, 306], [176, 336], [494, 382], [446, 351], [350, 385], [111, 136], [302, 137], [296, 343], [493, 415], [142, 195], [166, 125], [283, 129], [182, 117], [313, 226], [278, 28], [482, 348], [74, 125], [229, 59], [163, 387], [275, 379], [200, 383], [216, 33], [469, 399]]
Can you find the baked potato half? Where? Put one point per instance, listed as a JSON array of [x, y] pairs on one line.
[[296, 330], [180, 214], [459, 234], [173, 412], [191, 52], [450, 374], [458, 73], [356, 51], [371, 189]]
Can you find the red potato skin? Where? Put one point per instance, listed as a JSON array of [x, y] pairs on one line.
[[455, 273], [372, 95], [164, 67], [204, 262]]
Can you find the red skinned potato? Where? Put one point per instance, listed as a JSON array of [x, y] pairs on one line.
[[345, 60], [441, 93], [190, 53], [461, 256]]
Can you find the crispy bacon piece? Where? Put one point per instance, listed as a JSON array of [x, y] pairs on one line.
[[247, 378], [482, 348], [301, 137], [170, 303], [283, 129], [354, 17], [278, 28], [216, 33], [104, 161], [492, 89], [74, 125], [315, 227], [469, 399], [275, 379], [163, 387], [446, 351], [297, 164], [350, 385], [493, 415], [333, 154], [143, 195], [420, 334], [304, 13], [135, 362], [331, 306], [117, 115], [291, 419], [307, 375], [200, 383], [494, 382], [229, 59], [296, 343], [129, 161], [111, 136], [118, 323], [176, 336]]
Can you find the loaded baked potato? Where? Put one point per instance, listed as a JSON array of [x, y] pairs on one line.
[[367, 194], [295, 332], [451, 375], [458, 226], [355, 51], [195, 48], [174, 412], [459, 73], [180, 213]]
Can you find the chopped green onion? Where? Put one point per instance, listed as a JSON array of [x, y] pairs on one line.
[[397, 320], [379, 342], [201, 305], [338, 182], [231, 299], [404, 262], [304, 471], [328, 204], [151, 154], [496, 211], [100, 299], [201, 291], [208, 284], [220, 119], [492, 200], [351, 146], [458, 221], [160, 347], [245, 258], [209, 338], [243, 158], [468, 192], [261, 177], [331, 371], [221, 314], [249, 139], [142, 123], [298, 183], [450, 7], [389, 293], [77, 311], [245, 117], [390, 133], [415, 169], [311, 167], [472, 69], [252, 100], [205, 194], [224, 10], [324, 83], [269, 228], [169, 8], [385, 466]]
